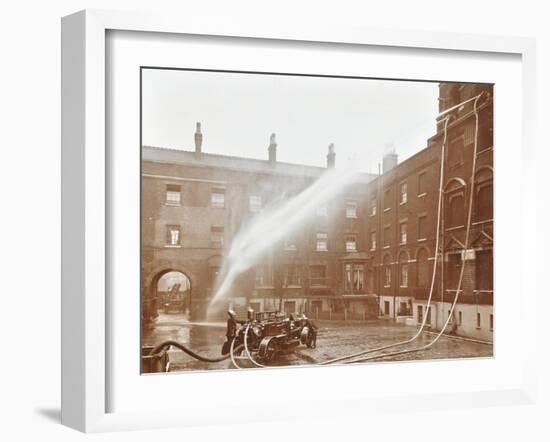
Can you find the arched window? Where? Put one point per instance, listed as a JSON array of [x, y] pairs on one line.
[[422, 269], [455, 212], [403, 269], [484, 194], [455, 215]]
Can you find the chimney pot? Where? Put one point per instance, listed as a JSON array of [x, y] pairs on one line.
[[331, 156], [198, 140], [272, 149]]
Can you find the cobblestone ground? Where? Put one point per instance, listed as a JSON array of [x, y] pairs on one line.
[[335, 339]]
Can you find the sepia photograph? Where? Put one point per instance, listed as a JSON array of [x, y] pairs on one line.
[[301, 219]]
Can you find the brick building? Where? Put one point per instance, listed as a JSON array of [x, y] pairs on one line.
[[368, 253]]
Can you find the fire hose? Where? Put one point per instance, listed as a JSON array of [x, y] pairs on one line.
[[158, 349], [460, 277], [357, 357]]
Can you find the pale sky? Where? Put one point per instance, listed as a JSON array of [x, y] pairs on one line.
[[238, 113]]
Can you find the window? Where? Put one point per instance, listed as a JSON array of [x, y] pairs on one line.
[[422, 184], [455, 152], [351, 209], [485, 140], [403, 269], [387, 271], [290, 244], [484, 201], [264, 276], [348, 277], [373, 206], [455, 210], [387, 239], [255, 203], [173, 235], [491, 321], [351, 244], [459, 318], [358, 278], [373, 240], [318, 275], [387, 199], [484, 270], [423, 270], [293, 275], [322, 242], [403, 193], [217, 234], [404, 275], [403, 233], [422, 227], [478, 321], [429, 315], [354, 278], [218, 198], [173, 195], [322, 210]]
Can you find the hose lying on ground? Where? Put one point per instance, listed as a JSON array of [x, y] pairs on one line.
[[155, 351]]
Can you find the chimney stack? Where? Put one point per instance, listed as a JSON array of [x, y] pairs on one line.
[[389, 161], [198, 141], [272, 150], [331, 156]]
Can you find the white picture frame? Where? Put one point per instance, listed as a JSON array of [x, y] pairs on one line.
[[85, 202]]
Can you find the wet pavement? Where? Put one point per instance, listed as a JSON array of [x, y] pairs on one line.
[[335, 339]]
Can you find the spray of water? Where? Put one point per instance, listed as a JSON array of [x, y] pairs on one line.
[[277, 222]]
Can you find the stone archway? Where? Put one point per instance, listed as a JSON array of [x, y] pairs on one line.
[[153, 298]]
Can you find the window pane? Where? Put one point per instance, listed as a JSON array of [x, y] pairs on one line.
[[351, 209], [255, 203], [218, 200]]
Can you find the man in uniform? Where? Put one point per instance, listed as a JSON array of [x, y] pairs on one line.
[[231, 331]]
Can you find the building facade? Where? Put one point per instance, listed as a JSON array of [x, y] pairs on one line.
[[369, 252]]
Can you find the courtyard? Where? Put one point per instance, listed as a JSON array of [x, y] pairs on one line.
[[335, 339]]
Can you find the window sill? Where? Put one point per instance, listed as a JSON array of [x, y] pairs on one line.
[[403, 243], [387, 209], [482, 222], [172, 246], [402, 203], [422, 239], [352, 217], [373, 250], [448, 229], [172, 204], [421, 195], [386, 247], [373, 214], [487, 149]]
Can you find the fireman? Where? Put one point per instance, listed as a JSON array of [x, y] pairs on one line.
[[231, 331]]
